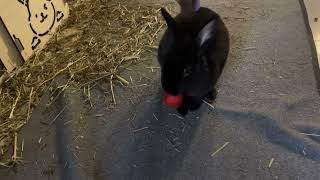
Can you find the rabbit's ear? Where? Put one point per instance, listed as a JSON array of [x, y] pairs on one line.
[[171, 23], [206, 33]]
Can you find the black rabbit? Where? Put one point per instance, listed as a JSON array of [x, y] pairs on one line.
[[192, 54]]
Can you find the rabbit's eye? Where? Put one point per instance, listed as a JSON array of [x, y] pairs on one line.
[[204, 63], [187, 71]]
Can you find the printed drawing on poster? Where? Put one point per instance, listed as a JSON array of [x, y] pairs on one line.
[[42, 16]]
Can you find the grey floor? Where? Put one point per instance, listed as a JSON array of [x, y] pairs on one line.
[[267, 109]]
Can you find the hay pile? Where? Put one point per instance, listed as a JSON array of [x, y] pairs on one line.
[[98, 39]]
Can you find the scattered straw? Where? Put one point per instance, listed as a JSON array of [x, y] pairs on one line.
[[152, 68], [15, 147], [4, 165], [22, 147], [98, 41], [122, 80], [210, 105], [311, 134], [29, 105], [249, 48], [221, 148], [271, 162], [112, 91], [155, 117], [179, 117], [140, 129], [14, 105], [57, 116]]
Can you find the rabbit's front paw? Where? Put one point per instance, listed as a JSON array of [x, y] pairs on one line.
[[183, 110], [211, 96]]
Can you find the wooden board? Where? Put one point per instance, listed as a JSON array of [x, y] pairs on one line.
[[312, 9], [29, 24], [9, 55]]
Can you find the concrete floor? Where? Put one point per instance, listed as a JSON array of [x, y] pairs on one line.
[[267, 108]]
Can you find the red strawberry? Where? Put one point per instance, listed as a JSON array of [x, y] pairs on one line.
[[173, 101]]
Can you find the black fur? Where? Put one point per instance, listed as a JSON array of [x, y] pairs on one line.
[[192, 53]]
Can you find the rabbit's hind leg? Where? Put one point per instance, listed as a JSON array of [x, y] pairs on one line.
[[183, 109], [211, 96], [194, 103]]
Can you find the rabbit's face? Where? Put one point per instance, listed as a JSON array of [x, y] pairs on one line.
[[172, 76], [172, 73], [180, 54], [179, 51]]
